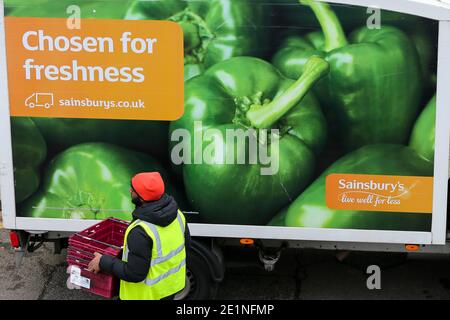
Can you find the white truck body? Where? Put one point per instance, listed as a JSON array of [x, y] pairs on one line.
[[435, 10]]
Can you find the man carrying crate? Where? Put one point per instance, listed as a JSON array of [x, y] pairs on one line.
[[153, 264]]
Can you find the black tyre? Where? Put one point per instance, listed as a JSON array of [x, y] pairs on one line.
[[199, 282]]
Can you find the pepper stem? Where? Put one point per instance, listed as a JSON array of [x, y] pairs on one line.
[[331, 26], [197, 35], [191, 37], [266, 116]]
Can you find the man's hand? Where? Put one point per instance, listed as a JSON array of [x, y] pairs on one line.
[[94, 265]]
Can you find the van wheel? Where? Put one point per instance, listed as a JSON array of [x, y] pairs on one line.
[[199, 282]]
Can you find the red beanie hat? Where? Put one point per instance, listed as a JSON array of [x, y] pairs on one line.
[[148, 185]]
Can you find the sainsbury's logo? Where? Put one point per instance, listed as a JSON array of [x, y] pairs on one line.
[[371, 185], [362, 192]]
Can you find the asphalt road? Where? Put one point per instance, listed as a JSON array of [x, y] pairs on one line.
[[298, 275]]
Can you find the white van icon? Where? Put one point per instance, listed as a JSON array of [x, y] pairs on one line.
[[39, 100]]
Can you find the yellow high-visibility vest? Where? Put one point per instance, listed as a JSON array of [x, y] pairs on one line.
[[167, 273]]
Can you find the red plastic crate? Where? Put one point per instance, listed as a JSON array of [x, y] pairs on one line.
[[79, 254], [106, 237], [100, 284]]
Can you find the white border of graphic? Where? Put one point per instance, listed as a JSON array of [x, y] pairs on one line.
[[429, 9]]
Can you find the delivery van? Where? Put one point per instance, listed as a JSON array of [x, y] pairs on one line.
[[275, 124]]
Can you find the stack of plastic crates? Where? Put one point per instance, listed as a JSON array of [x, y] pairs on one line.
[[105, 238]]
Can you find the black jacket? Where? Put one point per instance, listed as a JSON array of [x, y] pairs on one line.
[[161, 213]]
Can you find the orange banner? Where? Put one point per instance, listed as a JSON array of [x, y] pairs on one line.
[[107, 69], [379, 193]]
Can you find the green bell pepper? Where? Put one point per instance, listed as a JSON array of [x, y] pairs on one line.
[[278, 220], [226, 98], [146, 136], [372, 93], [214, 30], [29, 152], [423, 32], [310, 209], [92, 181], [423, 134], [424, 36]]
